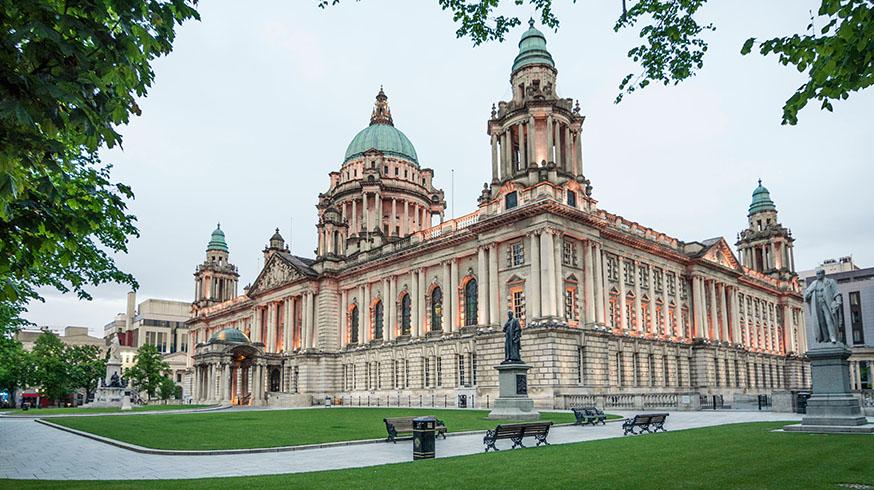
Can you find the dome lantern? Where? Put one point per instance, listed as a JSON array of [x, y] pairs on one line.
[[381, 135]]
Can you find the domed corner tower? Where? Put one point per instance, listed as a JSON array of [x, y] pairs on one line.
[[536, 137], [380, 194], [766, 246], [215, 280]]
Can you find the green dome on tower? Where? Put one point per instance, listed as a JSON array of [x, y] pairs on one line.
[[532, 49], [381, 135], [217, 241], [761, 200]]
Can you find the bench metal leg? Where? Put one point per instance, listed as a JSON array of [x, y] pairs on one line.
[[489, 440], [517, 441], [541, 440]]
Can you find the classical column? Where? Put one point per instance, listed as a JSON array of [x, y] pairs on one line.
[[523, 150], [364, 320], [453, 295], [392, 304], [697, 308], [723, 315], [365, 212], [638, 311], [494, 286], [495, 174], [559, 153], [678, 308], [196, 384], [393, 220], [566, 141], [711, 311], [589, 283], [305, 325], [482, 287], [379, 213], [533, 295], [354, 219], [505, 165], [600, 284], [547, 276], [550, 151], [271, 327], [416, 330], [653, 326], [623, 321], [286, 325], [422, 292], [532, 156], [667, 331], [558, 308], [405, 222], [344, 317]]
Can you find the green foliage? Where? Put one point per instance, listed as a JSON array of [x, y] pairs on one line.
[[50, 368], [70, 73], [148, 370], [166, 388], [87, 366], [672, 49], [839, 59], [15, 365]]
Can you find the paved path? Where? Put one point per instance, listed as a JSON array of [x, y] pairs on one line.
[[34, 451]]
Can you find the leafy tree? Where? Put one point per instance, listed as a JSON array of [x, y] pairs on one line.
[[50, 369], [15, 366], [69, 75], [148, 370], [167, 388], [837, 57], [87, 367]]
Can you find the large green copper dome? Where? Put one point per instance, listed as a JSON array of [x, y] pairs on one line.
[[229, 335], [532, 49], [381, 135], [761, 200], [217, 241]]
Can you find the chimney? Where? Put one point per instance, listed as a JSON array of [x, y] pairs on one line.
[[131, 310]]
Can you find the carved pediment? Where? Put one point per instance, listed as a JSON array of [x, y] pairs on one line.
[[275, 273], [720, 253]]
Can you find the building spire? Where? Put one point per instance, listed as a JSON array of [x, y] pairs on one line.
[[381, 112]]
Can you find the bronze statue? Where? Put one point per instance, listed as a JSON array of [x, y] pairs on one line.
[[826, 308], [512, 340]]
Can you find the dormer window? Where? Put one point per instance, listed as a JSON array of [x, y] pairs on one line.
[[572, 199], [511, 200]]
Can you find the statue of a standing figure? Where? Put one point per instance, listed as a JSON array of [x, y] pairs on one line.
[[826, 308], [512, 340], [115, 350]]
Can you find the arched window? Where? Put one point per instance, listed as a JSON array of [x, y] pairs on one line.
[[436, 309], [672, 320], [660, 317], [353, 325], [644, 313], [405, 315], [470, 305], [377, 320]]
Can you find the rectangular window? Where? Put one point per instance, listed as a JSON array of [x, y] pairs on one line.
[[461, 380], [679, 372], [629, 273], [511, 200], [439, 370], [651, 363], [473, 368], [517, 296], [378, 377], [671, 282], [426, 372], [516, 254], [612, 268], [657, 276], [571, 312], [665, 374], [406, 373], [716, 371], [644, 276], [619, 369], [569, 253], [635, 368], [572, 199]]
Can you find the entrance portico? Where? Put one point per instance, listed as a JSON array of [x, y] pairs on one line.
[[230, 369]]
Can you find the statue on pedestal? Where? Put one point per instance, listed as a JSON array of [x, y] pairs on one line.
[[115, 350], [512, 340], [826, 308]]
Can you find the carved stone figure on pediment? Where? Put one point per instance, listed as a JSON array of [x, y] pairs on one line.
[[279, 272]]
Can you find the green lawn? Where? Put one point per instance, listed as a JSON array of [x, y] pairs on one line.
[[271, 428], [34, 412], [733, 456]]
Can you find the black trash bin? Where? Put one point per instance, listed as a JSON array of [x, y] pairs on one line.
[[801, 401], [462, 401], [424, 432]]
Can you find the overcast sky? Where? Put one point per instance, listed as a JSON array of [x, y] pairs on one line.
[[259, 100]]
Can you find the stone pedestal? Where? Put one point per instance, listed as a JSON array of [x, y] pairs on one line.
[[513, 402], [112, 367], [832, 407], [125, 403]]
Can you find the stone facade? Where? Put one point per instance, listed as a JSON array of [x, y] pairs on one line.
[[395, 310]]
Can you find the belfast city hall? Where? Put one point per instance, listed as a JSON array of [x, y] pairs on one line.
[[393, 308]]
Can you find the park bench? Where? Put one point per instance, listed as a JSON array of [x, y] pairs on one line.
[[516, 432], [649, 423], [404, 425], [589, 415]]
